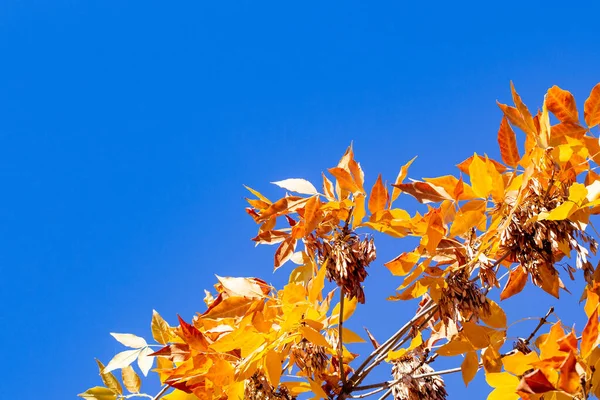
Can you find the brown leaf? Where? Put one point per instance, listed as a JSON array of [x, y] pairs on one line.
[[591, 108], [561, 103], [424, 192], [284, 251], [177, 352], [374, 341], [507, 140], [379, 196], [516, 282]]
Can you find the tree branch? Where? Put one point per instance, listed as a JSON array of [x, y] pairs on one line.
[[340, 342]]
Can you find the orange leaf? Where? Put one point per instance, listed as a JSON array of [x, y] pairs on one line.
[[469, 216], [328, 188], [508, 144], [476, 334], [569, 378], [344, 179], [403, 264], [458, 345], [561, 103], [359, 210], [514, 117], [496, 318], [591, 108], [534, 383], [481, 181], [516, 282], [401, 176], [567, 129], [284, 251], [568, 342], [492, 360], [464, 166], [469, 367], [590, 334], [273, 367], [525, 114], [311, 214], [379, 196]]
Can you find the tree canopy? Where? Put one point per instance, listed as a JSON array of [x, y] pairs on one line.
[[495, 226]]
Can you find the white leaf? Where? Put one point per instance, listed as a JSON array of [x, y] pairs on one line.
[[121, 360], [130, 340], [145, 361], [297, 185]]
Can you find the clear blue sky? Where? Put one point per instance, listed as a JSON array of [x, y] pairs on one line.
[[127, 129]]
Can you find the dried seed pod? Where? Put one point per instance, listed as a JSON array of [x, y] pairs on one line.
[[409, 388], [462, 296], [538, 244], [348, 257], [310, 358], [257, 387]]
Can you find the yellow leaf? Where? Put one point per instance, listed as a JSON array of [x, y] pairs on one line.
[[359, 210], [313, 336], [98, 393], [517, 363], [504, 384], [414, 343], [496, 318], [481, 181], [110, 381], [317, 283], [476, 334], [591, 303], [591, 108], [351, 337], [161, 331], [403, 264], [458, 345], [317, 389], [257, 194], [131, 380], [349, 307], [179, 395], [549, 346], [469, 216], [491, 359], [401, 176], [273, 367], [590, 334], [497, 181], [469, 367], [379, 196]]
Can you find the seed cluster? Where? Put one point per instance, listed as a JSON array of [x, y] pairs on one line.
[[462, 296], [348, 257], [257, 387], [409, 388], [310, 358], [536, 244]]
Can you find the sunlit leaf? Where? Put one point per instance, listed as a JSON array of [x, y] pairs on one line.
[[496, 317], [98, 393], [131, 380], [589, 335], [469, 367], [110, 381], [297, 185], [122, 359], [515, 284], [561, 103], [507, 140], [517, 363], [145, 360], [591, 108], [481, 182], [273, 367], [130, 340]]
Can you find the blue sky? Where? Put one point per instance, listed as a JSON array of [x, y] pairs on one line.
[[127, 129]]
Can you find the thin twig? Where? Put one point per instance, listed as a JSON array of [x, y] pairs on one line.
[[539, 325], [162, 391], [386, 394], [340, 342]]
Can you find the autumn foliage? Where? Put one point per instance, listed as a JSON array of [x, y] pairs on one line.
[[497, 225]]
